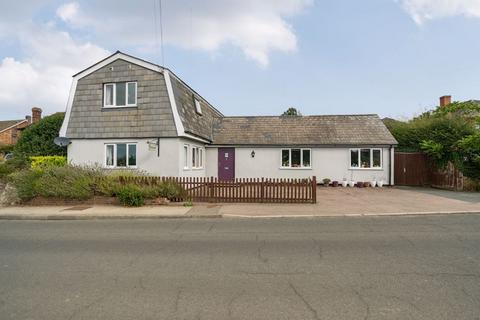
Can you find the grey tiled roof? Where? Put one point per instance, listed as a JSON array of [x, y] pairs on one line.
[[303, 130], [8, 123], [197, 124]]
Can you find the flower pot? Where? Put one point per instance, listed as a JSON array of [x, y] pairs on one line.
[[335, 184], [351, 183], [360, 184], [373, 183], [344, 183], [366, 184], [380, 183]]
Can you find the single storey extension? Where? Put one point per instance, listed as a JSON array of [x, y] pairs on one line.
[[127, 113]]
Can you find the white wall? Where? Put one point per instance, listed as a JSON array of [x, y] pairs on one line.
[[332, 163], [170, 163], [191, 172]]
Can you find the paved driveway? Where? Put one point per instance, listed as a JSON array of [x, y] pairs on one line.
[[354, 201]]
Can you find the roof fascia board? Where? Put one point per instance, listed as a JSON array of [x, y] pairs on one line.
[[115, 57], [173, 104], [13, 126]]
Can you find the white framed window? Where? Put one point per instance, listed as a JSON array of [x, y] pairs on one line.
[[296, 158], [185, 156], [198, 106], [197, 158], [120, 94], [121, 155], [366, 158]]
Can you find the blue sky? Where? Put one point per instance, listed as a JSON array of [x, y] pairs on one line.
[[394, 58]]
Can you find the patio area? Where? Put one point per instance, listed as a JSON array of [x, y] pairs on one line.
[[366, 201]]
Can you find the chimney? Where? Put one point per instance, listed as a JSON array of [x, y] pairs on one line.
[[36, 114], [29, 119], [445, 101]]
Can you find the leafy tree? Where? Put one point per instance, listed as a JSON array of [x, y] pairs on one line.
[[37, 140], [292, 112], [470, 148]]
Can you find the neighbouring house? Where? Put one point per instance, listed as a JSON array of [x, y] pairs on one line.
[[10, 130], [127, 113]]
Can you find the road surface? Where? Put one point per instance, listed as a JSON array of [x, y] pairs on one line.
[[317, 268]]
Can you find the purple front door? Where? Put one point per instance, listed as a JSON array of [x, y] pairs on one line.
[[226, 163]]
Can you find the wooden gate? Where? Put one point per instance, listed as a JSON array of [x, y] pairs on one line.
[[411, 169]]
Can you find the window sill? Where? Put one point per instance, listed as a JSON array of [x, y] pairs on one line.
[[197, 169], [293, 168], [119, 107], [121, 168], [366, 169]]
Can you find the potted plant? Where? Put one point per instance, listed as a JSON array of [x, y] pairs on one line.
[[360, 184], [335, 184], [344, 182], [380, 183], [326, 182], [373, 183], [351, 183], [366, 184]]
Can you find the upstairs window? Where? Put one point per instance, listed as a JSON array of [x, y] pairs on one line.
[[120, 94], [366, 158]]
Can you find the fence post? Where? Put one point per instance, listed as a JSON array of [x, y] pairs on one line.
[[210, 190], [314, 189], [262, 190]]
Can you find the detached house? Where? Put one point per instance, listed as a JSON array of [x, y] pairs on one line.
[[127, 113], [10, 130]]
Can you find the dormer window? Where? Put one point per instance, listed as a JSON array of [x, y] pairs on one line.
[[198, 107], [120, 94]]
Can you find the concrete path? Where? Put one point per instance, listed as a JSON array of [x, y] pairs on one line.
[[98, 212], [331, 202]]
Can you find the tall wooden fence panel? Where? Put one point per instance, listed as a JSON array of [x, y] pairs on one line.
[[244, 190], [411, 169]]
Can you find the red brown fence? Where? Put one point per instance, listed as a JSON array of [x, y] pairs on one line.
[[244, 190]]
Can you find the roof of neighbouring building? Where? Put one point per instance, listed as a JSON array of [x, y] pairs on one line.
[[303, 130], [5, 124]]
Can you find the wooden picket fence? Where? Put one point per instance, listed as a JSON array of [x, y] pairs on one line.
[[242, 190]]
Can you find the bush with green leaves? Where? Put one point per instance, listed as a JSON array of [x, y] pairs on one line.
[[47, 161], [37, 139], [68, 182], [13, 165], [470, 148], [131, 195], [26, 183]]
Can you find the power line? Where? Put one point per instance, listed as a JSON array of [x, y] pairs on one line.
[[156, 26], [161, 32]]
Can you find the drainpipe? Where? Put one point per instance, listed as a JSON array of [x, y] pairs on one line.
[[390, 164]]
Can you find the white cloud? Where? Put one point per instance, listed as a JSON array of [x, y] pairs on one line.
[[44, 76], [258, 28], [424, 10], [68, 11]]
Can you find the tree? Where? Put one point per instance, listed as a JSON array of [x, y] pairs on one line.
[[292, 112], [37, 139]]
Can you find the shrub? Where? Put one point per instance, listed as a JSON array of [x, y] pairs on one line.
[[171, 190], [47, 161], [56, 182], [131, 196], [326, 181], [37, 139], [12, 165], [26, 183], [67, 182]]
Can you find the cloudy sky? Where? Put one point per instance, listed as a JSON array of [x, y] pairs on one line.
[[252, 57]]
